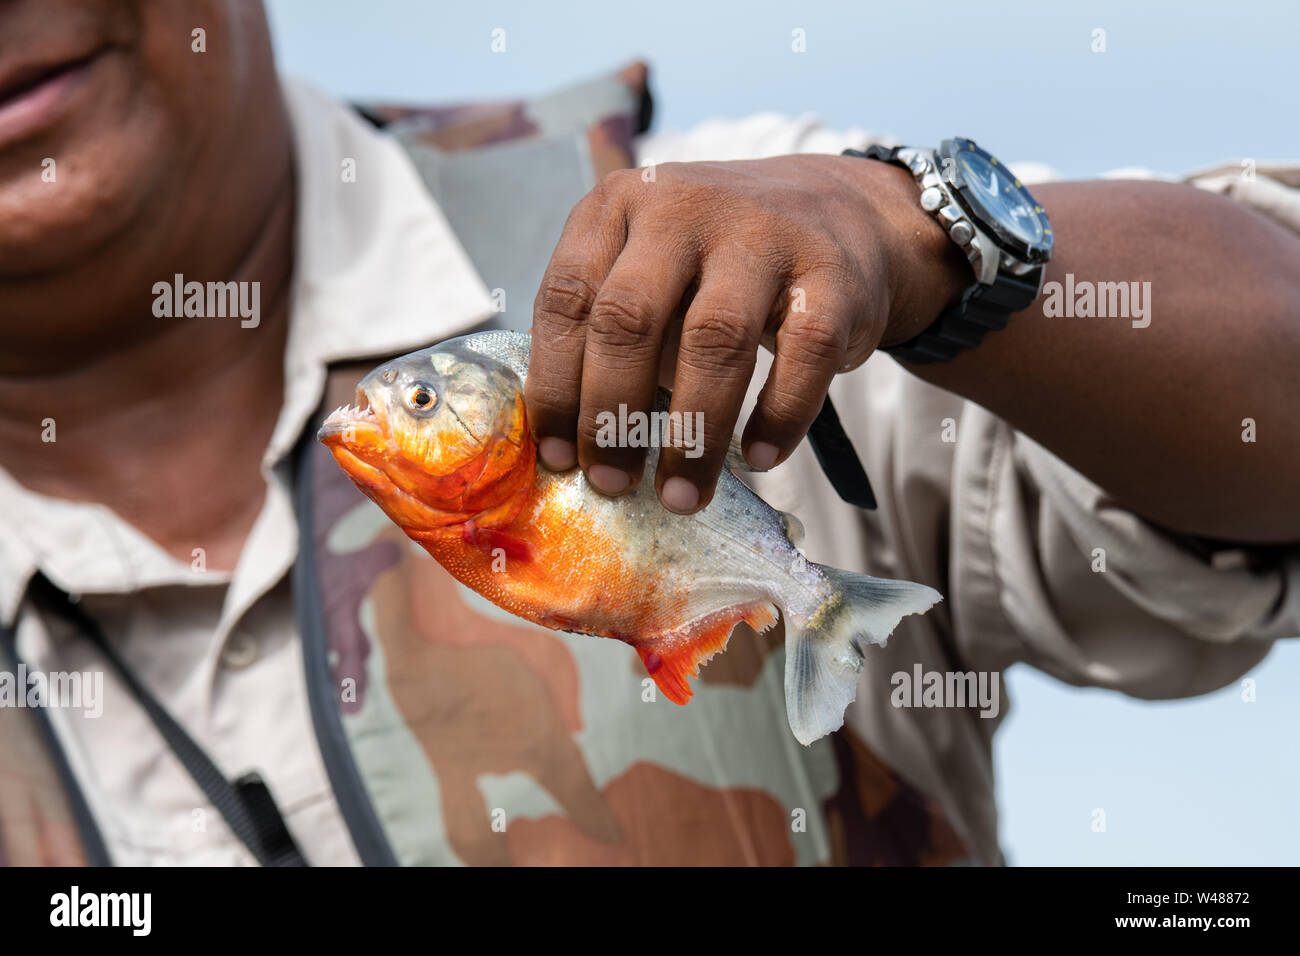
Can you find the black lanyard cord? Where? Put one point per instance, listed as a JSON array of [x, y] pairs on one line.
[[246, 805]]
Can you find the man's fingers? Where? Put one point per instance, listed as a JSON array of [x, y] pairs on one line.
[[592, 239], [811, 347], [620, 365], [715, 361]]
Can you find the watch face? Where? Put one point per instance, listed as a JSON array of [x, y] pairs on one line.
[[998, 201]]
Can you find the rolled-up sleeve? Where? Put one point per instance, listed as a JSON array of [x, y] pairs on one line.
[[1048, 569], [1054, 572]]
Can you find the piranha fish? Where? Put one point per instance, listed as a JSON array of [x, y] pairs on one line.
[[440, 441]]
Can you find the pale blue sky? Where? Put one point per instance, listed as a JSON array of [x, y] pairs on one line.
[[1181, 85]]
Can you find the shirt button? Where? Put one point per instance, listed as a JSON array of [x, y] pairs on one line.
[[240, 651]]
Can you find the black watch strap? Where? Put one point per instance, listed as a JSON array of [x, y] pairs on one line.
[[980, 310], [886, 154]]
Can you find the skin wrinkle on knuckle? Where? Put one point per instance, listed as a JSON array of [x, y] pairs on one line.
[[813, 340], [565, 294], [718, 340], [624, 318], [786, 411]]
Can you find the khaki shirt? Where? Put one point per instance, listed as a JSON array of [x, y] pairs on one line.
[[1005, 530]]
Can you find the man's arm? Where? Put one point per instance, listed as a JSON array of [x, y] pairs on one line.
[[1154, 413], [828, 257]]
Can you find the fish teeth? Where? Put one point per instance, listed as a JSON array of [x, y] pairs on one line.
[[351, 411]]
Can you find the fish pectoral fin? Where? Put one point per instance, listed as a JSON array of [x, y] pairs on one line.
[[672, 658]]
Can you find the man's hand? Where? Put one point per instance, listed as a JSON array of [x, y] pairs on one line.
[[821, 258]]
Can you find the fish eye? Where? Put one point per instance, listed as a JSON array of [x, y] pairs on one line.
[[421, 398]]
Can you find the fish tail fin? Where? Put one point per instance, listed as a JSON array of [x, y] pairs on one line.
[[824, 653]]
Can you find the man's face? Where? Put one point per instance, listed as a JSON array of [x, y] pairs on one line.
[[112, 114]]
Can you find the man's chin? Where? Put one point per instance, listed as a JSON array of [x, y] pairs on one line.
[[54, 217]]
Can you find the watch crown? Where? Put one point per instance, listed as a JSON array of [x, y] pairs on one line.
[[961, 232]]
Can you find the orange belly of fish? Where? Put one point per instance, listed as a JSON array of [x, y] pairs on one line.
[[556, 567]]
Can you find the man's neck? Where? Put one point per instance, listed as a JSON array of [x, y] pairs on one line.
[[169, 427]]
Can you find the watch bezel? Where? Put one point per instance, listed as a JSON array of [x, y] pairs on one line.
[[951, 171]]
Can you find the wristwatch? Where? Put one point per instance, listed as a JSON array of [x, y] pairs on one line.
[[1004, 232]]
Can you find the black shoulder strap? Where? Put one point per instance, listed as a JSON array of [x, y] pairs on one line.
[[246, 805]]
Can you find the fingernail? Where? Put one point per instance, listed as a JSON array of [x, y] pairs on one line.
[[610, 481], [680, 495], [557, 454], [762, 455]]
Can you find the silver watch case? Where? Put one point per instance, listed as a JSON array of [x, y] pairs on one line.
[[938, 199]]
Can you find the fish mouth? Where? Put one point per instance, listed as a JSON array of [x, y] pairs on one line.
[[357, 436], [349, 424]]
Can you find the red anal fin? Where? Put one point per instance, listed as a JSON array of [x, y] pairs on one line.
[[491, 539], [674, 658]]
